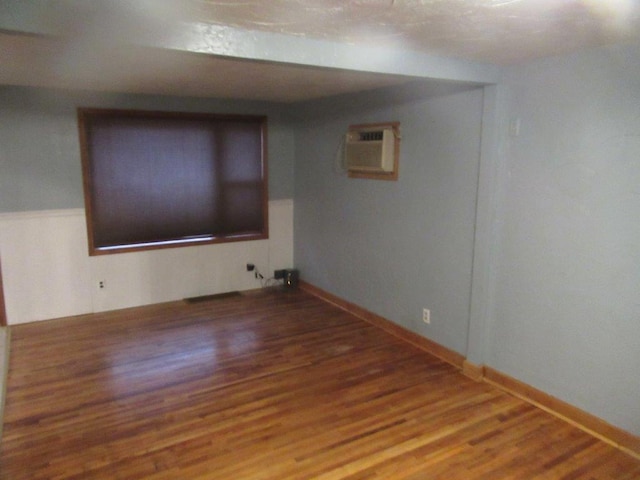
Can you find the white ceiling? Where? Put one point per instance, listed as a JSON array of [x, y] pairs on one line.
[[493, 31], [82, 54], [44, 62]]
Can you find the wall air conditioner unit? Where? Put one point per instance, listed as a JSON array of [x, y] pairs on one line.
[[371, 150]]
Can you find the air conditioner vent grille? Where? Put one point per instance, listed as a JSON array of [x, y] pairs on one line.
[[375, 136]]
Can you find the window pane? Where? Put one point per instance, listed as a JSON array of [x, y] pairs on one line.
[[242, 151], [161, 177], [243, 209]]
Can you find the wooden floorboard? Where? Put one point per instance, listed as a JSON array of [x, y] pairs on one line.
[[271, 385]]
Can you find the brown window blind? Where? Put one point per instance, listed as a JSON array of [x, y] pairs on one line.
[[157, 179]]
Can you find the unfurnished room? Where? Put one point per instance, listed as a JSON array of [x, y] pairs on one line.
[[320, 239]]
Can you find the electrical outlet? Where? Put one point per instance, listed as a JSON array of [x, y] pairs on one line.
[[426, 315], [101, 284], [250, 267]]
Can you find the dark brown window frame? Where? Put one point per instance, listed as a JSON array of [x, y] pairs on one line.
[[84, 118]]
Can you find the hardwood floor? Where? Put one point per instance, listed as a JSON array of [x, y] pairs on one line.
[[273, 385]]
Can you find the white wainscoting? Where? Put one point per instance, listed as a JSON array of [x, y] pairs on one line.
[[48, 273]]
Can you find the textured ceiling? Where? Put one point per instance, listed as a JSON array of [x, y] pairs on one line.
[[493, 31], [70, 43]]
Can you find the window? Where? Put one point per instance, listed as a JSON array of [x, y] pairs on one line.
[[160, 179]]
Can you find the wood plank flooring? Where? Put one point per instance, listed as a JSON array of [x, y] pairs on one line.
[[273, 385]]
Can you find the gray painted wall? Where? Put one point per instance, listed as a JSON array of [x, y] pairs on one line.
[[567, 312], [559, 295], [393, 247], [40, 155]]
